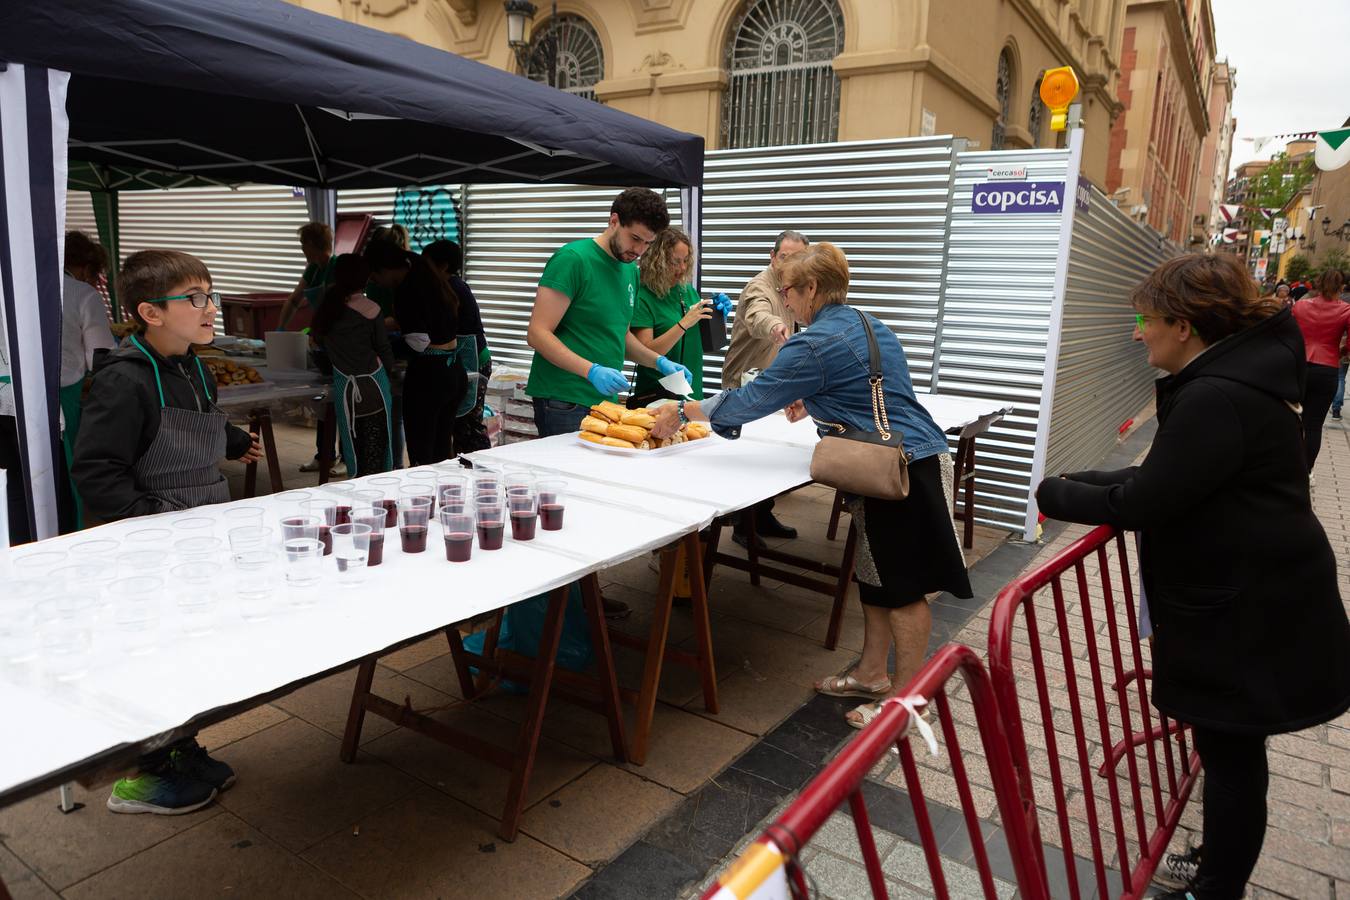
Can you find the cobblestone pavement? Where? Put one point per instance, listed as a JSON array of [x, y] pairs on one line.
[[1307, 848]]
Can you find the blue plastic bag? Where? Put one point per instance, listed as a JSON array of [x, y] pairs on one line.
[[523, 624]]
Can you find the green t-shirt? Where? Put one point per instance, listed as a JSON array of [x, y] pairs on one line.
[[660, 315], [317, 278], [602, 291]]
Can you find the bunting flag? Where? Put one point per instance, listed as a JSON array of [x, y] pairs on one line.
[[1333, 149], [1230, 235], [1229, 211]]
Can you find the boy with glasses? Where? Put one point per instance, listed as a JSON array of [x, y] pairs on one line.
[[151, 441]]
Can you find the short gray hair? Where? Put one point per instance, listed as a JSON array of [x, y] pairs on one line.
[[790, 236]]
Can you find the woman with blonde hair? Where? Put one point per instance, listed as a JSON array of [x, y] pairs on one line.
[[907, 549], [667, 313]]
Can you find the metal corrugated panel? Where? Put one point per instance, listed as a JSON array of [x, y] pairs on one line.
[[80, 213], [511, 231], [246, 236], [884, 203], [1103, 376], [1000, 282], [378, 202]]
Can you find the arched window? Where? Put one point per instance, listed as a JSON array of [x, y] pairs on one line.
[[1003, 92], [783, 88], [1036, 116], [565, 52]]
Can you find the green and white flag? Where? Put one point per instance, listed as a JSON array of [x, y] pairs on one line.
[[1333, 149]]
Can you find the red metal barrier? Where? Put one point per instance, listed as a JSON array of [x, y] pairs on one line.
[[842, 780], [1169, 779]]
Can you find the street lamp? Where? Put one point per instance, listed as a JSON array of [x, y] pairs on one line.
[[530, 55], [1342, 233]]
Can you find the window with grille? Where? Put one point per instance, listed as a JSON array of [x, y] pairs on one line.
[[783, 88], [565, 52], [1003, 91], [1036, 117]]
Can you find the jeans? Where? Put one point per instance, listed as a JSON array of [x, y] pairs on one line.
[[1236, 779], [558, 416], [1339, 400]]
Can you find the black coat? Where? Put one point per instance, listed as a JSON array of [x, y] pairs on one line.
[[1249, 631], [120, 419]]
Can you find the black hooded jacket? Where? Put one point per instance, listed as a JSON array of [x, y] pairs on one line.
[[120, 419], [1249, 631]]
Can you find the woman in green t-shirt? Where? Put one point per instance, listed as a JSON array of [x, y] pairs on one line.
[[667, 312]]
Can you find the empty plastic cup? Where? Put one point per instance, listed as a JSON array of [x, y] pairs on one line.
[[196, 589]]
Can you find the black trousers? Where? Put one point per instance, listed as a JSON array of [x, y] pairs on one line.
[[432, 391], [1317, 398], [1234, 828]]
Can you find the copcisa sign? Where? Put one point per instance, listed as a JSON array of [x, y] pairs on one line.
[[1018, 197]]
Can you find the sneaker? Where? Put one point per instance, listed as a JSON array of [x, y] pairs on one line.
[[1178, 870], [163, 792], [338, 469], [1336, 413], [311, 466], [191, 761]]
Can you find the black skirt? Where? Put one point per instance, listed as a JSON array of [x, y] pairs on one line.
[[913, 546]]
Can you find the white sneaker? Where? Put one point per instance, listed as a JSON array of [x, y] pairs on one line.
[[338, 467]]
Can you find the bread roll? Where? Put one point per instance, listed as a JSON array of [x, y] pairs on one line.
[[696, 431], [630, 433], [645, 445], [616, 442], [611, 412], [591, 423], [640, 419], [592, 437]]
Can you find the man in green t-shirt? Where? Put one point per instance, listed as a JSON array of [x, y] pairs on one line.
[[582, 309]]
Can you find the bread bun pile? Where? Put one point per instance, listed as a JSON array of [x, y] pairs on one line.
[[611, 425], [229, 372]]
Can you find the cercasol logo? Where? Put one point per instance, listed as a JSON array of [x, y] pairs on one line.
[[1029, 197]]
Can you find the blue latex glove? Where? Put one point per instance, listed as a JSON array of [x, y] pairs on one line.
[[666, 367], [606, 380], [722, 303]]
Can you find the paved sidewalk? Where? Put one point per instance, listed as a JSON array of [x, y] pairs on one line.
[[1307, 848]]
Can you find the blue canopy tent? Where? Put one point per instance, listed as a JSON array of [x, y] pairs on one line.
[[256, 91]]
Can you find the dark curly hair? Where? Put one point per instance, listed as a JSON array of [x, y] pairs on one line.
[[646, 207]]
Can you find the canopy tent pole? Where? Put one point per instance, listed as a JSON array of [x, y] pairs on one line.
[[33, 133], [109, 235], [322, 206], [691, 206]]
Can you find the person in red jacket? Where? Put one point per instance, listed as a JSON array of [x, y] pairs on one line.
[[1325, 323]]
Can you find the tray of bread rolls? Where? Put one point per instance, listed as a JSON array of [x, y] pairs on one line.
[[610, 428]]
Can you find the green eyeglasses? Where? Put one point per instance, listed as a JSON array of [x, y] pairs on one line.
[[198, 299], [1140, 320]]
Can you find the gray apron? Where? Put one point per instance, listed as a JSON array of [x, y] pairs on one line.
[[182, 464]]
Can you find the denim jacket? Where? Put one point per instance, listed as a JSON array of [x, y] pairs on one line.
[[826, 368]]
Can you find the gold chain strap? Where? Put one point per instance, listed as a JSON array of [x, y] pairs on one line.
[[879, 417]]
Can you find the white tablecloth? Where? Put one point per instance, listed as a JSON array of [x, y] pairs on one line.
[[128, 700]]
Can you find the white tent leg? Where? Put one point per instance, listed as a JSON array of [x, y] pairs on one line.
[[68, 804]]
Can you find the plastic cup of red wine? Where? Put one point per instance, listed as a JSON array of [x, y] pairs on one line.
[[372, 516], [414, 514], [326, 512], [457, 529], [490, 520], [552, 502], [521, 504], [388, 488]]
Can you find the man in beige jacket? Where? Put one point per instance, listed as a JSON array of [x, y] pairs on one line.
[[763, 324]]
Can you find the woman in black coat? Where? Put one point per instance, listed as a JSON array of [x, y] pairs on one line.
[[1250, 637]]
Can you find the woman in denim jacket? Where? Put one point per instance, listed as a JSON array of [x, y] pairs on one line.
[[907, 548]]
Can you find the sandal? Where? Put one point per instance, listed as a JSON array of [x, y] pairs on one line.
[[848, 686], [865, 714]]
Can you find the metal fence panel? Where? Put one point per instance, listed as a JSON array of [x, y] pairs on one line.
[[1103, 376], [996, 316]]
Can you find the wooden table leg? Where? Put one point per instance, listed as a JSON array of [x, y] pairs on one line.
[[970, 493], [655, 654], [489, 650], [328, 434], [604, 660], [527, 744], [466, 685], [351, 739], [841, 588], [251, 469], [752, 544], [836, 510], [702, 624], [710, 552], [270, 448]]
